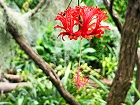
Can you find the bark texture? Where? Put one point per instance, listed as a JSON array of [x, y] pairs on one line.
[[127, 56]]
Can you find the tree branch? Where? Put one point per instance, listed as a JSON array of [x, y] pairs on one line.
[[104, 81], [33, 11], [113, 13], [3, 5], [8, 87], [12, 77], [18, 37], [111, 5]]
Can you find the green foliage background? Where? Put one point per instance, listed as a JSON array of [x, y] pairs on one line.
[[99, 60]]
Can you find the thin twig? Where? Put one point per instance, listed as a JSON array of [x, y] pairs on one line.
[[113, 13], [32, 12]]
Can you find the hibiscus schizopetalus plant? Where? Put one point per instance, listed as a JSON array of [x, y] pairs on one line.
[[83, 22]]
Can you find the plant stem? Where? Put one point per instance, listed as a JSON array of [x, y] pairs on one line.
[[78, 2], [69, 4], [80, 53]]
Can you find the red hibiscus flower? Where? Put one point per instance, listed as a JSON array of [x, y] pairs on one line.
[[87, 18]]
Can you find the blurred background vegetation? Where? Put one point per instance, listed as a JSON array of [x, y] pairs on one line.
[[99, 58]]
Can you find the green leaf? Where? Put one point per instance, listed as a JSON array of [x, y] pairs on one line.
[[88, 2], [20, 100], [88, 50], [90, 57], [4, 103], [135, 90], [138, 102], [40, 49], [67, 72]]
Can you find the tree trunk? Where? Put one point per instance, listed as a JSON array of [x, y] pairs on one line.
[[127, 57]]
